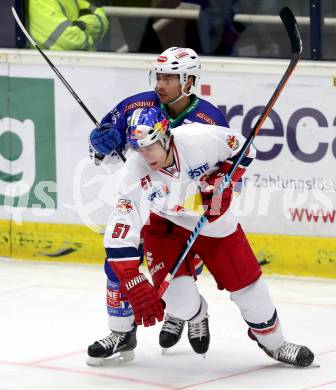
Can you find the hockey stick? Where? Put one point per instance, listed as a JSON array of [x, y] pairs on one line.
[[292, 29], [53, 67]]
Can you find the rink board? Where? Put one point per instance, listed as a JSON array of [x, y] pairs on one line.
[[277, 254], [51, 193]]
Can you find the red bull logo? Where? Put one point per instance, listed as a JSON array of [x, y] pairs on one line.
[[162, 125], [124, 206]]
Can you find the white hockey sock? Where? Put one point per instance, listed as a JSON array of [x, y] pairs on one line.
[[121, 324], [119, 310], [201, 313], [182, 298], [258, 311]]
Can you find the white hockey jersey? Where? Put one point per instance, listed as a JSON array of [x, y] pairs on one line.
[[198, 149]]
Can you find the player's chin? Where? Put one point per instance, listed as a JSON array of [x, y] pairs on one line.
[[163, 98]]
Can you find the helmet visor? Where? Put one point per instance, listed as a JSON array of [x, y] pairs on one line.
[[163, 80]]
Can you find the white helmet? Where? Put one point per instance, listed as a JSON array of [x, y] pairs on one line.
[[147, 126], [177, 60]]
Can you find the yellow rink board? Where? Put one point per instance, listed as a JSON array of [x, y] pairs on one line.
[[57, 242], [295, 255], [278, 254]]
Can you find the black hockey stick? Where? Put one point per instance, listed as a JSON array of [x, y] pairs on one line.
[[292, 29], [53, 67]]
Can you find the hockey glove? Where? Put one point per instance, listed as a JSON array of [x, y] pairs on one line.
[[215, 205], [105, 139], [143, 297]]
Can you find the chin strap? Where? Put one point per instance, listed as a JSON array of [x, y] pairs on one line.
[[180, 96]]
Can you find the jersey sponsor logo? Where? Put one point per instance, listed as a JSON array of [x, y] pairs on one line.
[[198, 170], [161, 59], [146, 182], [205, 118], [159, 193], [232, 142], [124, 206], [156, 268], [114, 298], [140, 104]]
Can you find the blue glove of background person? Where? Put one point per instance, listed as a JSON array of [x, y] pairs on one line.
[[105, 139]]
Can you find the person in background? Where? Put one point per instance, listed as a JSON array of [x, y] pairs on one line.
[[138, 32], [217, 30], [215, 33], [66, 24]]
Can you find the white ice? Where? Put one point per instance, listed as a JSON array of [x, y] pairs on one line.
[[51, 312]]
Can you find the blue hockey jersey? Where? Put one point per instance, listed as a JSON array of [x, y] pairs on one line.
[[198, 110]]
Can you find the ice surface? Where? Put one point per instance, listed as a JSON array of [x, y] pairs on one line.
[[51, 312]]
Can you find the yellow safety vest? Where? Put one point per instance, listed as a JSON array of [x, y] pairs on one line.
[[51, 24]]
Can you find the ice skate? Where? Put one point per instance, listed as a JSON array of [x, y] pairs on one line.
[[199, 336], [293, 354], [171, 332], [117, 344]]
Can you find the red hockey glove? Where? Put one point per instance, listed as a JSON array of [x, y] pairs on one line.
[[217, 205], [143, 297]]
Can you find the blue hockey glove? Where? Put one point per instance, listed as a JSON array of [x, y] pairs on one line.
[[105, 140]]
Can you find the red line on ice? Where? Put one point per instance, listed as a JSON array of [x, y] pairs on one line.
[[321, 385], [248, 372], [88, 373]]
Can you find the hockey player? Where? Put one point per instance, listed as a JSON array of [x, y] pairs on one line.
[[162, 178], [175, 76]]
